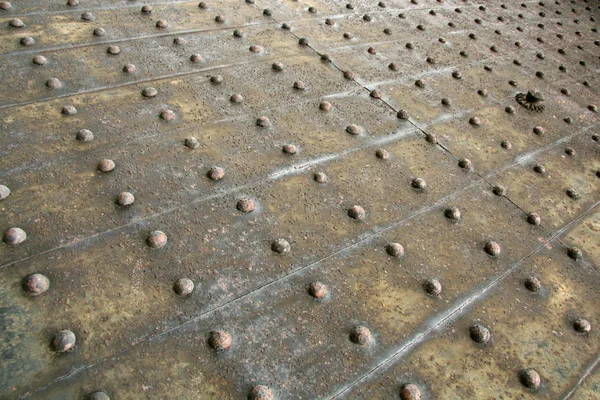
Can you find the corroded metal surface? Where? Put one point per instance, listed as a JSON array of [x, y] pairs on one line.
[[330, 199]]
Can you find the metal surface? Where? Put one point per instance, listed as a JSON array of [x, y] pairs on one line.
[[280, 144]]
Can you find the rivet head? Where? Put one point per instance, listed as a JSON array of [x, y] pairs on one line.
[[505, 144], [325, 106], [238, 33], [5, 5], [376, 94], [4, 192], [367, 18], [168, 115], [445, 101], [410, 45], [179, 41], [129, 68], [456, 75], [36, 284], [512, 83], [183, 287], [277, 66], [430, 60], [348, 35], [592, 108], [99, 32], [289, 149], [281, 246], [146, 9], [97, 396], [215, 173], [216, 79], [161, 24], [149, 92], [586, 83], [312, 10], [357, 212], [88, 16], [125, 199], [63, 341], [255, 48], [261, 392], [387, 31], [582, 325], [530, 378], [53, 83], [475, 121], [420, 27], [263, 122], [220, 19], [220, 340], [286, 26], [565, 91], [236, 98], [395, 250], [27, 41], [410, 391], [394, 67], [533, 284], [482, 92], [320, 177], [299, 85], [472, 36], [509, 110], [303, 42], [575, 253], [573, 193], [402, 114], [492, 248], [196, 58], [353, 129], [452, 213], [16, 23], [499, 190], [433, 287], [68, 110], [539, 168], [40, 60], [570, 151], [538, 130], [382, 154], [540, 74], [113, 50], [106, 165], [317, 290], [534, 218], [419, 183], [420, 83], [488, 68], [156, 239], [245, 205], [267, 12], [465, 163], [202, 5], [479, 333], [361, 335], [431, 138]]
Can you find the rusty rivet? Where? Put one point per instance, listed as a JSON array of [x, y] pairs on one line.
[[505, 144], [410, 391], [432, 12], [534, 218], [541, 40], [325, 106], [286, 26], [69, 110], [63, 341], [238, 33], [303, 42], [353, 129], [125, 199], [97, 396], [129, 68], [53, 83], [402, 114], [14, 236], [419, 183], [215, 173], [560, 36], [433, 287], [357, 212], [375, 93], [263, 122], [156, 239], [184, 286], [480, 334], [458, 10], [538, 130], [245, 205], [312, 10], [4, 192], [372, 50], [277, 66], [540, 56], [575, 253], [518, 44], [329, 21], [475, 121], [202, 5], [87, 16], [582, 325], [367, 18], [361, 335], [255, 48], [465, 163], [149, 92], [161, 24], [220, 340], [420, 83], [533, 284], [99, 32], [541, 26], [456, 75], [493, 48], [317, 290], [570, 151], [510, 109], [326, 57], [146, 9], [27, 41], [530, 378], [40, 60], [220, 19], [540, 74], [261, 392], [482, 92], [281, 246], [568, 120], [445, 101], [196, 58], [592, 108], [320, 177], [299, 85], [106, 165], [410, 46], [382, 154], [431, 138], [420, 27], [492, 248], [267, 12], [289, 149], [348, 35], [5, 5], [168, 115], [477, 21], [236, 98], [36, 284], [452, 213], [561, 51], [540, 169], [179, 41], [395, 250]]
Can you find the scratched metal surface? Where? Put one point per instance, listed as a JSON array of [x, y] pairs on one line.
[[330, 77]]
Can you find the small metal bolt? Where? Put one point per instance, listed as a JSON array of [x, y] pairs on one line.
[[14, 236], [479, 333], [573, 193], [220, 340], [361, 335], [325, 106], [129, 68], [156, 239], [245, 205], [146, 9], [125, 199], [419, 183], [220, 19], [376, 93], [492, 248], [353, 129], [303, 42], [382, 154], [410, 391], [433, 287], [184, 287], [68, 110], [420, 83], [236, 98], [63, 341], [452, 213], [40, 60], [538, 130], [5, 5], [36, 284], [475, 121], [320, 177], [99, 32], [357, 212], [106, 165], [88, 16], [289, 149], [533, 284], [534, 218], [53, 83], [281, 246], [179, 41], [465, 163], [317, 290], [395, 250], [402, 114], [149, 92], [255, 48], [263, 122], [530, 378], [540, 169], [161, 24], [215, 173], [505, 144], [168, 115], [27, 41], [216, 79], [196, 58], [582, 325]]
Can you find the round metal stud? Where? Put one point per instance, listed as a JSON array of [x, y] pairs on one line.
[[113, 50], [179, 41], [156, 239], [505, 144], [88, 16], [263, 122], [125, 199], [40, 60], [382, 154], [475, 121], [465, 163], [289, 149], [281, 246], [16, 23], [353, 129], [433, 287], [53, 83], [582, 325], [27, 41], [452, 213], [530, 378], [499, 190], [106, 165], [320, 177], [99, 32], [402, 114], [361, 335], [419, 183], [492, 248], [184, 287], [479, 333], [5, 5], [277, 66], [36, 284], [299, 85], [68, 110], [63, 341], [236, 98], [220, 340], [215, 173], [146, 9], [4, 192], [357, 212], [149, 92], [261, 392], [317, 290], [395, 250], [245, 205], [534, 218], [129, 68], [162, 24], [533, 284], [196, 58], [410, 391], [216, 79], [573, 193], [575, 253], [325, 106], [97, 396], [168, 115]]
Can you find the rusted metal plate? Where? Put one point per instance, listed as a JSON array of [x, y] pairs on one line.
[[269, 146]]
